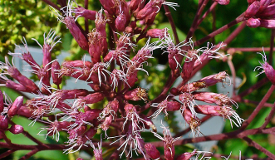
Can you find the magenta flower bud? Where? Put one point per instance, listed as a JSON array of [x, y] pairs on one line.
[[210, 110], [216, 98], [144, 53], [109, 5], [1, 102], [270, 23], [253, 22], [173, 106], [76, 32], [134, 4], [268, 11], [264, 4], [152, 6], [223, 2], [82, 12], [77, 63], [213, 79], [223, 111], [190, 87], [95, 87], [25, 111], [95, 46], [23, 80], [188, 65], [68, 94], [79, 131], [4, 124], [136, 95], [109, 56], [121, 22], [15, 106], [186, 155], [267, 69], [90, 133], [192, 120], [152, 151], [29, 59], [106, 123], [129, 108], [78, 35], [92, 98], [252, 9], [165, 106], [100, 23], [132, 78], [157, 33], [54, 73], [92, 114], [97, 151], [16, 129], [149, 20]]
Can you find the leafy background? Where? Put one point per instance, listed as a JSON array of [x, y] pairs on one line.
[[31, 18]]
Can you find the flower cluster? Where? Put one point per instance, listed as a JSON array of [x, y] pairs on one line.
[[109, 102]]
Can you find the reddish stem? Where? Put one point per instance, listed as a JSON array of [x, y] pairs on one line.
[[258, 108], [220, 30], [171, 21], [195, 21], [260, 148]]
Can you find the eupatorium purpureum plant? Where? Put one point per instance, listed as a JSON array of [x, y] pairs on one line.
[[113, 117]]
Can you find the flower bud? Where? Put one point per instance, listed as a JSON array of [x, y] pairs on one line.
[[188, 65], [270, 23], [192, 120], [15, 106], [109, 6], [90, 133], [121, 22], [54, 72], [96, 46], [223, 2], [264, 4], [157, 33], [216, 98], [16, 129], [106, 123], [268, 69], [252, 9], [29, 59], [253, 22], [93, 98], [213, 79], [136, 95], [76, 33], [77, 63], [268, 11], [100, 23], [152, 6], [80, 11], [152, 151], [4, 124], [25, 111], [186, 155], [134, 4], [173, 106]]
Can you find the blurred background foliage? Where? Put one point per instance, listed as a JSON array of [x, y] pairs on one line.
[[32, 18]]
